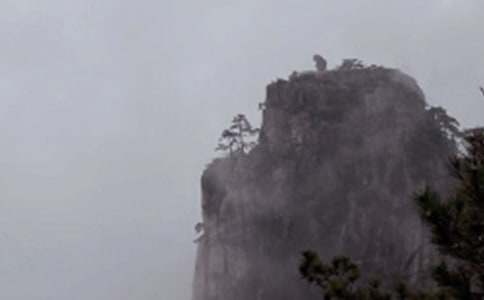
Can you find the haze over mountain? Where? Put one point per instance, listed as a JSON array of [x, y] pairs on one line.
[[111, 109], [339, 156]]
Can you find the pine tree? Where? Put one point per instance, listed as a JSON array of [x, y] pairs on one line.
[[339, 279], [457, 223], [239, 137], [457, 226]]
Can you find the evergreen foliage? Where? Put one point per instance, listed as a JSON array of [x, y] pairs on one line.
[[338, 279], [446, 123], [239, 137], [457, 226], [351, 64]]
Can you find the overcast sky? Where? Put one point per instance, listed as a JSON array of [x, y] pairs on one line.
[[109, 111]]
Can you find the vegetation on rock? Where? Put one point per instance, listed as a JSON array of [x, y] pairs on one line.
[[239, 137], [338, 154], [457, 226]]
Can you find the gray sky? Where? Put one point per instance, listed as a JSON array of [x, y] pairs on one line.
[[111, 109]]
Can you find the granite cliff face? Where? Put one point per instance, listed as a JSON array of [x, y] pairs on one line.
[[340, 154]]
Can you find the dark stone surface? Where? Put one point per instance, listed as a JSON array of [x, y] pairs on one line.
[[340, 154]]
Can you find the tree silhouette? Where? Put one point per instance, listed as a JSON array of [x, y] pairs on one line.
[[448, 124], [457, 226], [351, 64], [339, 279], [239, 137], [457, 223]]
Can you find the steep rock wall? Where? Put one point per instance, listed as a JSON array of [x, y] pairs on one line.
[[340, 154]]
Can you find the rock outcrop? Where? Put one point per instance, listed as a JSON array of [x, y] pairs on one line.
[[339, 157]]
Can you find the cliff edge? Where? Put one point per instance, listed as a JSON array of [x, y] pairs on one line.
[[339, 156]]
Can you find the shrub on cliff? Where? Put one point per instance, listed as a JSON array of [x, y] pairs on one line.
[[239, 137]]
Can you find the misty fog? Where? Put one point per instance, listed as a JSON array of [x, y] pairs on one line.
[[110, 110]]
